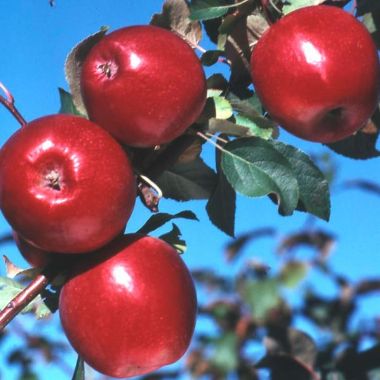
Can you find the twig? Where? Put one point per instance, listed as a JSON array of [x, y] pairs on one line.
[[22, 299], [9, 103]]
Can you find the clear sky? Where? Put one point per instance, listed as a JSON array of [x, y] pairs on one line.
[[36, 38]]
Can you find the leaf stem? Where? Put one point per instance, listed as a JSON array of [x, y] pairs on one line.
[[218, 138], [9, 103], [211, 141], [22, 299]]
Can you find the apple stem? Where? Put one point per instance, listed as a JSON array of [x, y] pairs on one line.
[[9, 103], [200, 48], [23, 298]]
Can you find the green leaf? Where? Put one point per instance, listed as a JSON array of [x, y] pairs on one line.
[[174, 238], [261, 296], [255, 168], [209, 9], [211, 93], [314, 195], [293, 273], [223, 108], [254, 126], [67, 104], [292, 5], [9, 288], [222, 41], [41, 310], [187, 181], [221, 205], [225, 356], [158, 220], [79, 372], [249, 107], [369, 23], [227, 127], [211, 57]]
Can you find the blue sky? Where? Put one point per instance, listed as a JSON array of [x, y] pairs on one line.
[[35, 42]]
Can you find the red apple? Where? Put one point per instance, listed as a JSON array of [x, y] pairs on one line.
[[130, 309], [65, 184], [36, 257], [316, 72], [144, 84]]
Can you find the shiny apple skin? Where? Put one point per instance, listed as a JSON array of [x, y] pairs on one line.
[[143, 84], [65, 184], [130, 309], [316, 72]]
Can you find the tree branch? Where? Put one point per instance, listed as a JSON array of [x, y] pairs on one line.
[[22, 299], [9, 104]]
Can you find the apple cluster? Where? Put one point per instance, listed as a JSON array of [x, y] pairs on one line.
[[68, 188]]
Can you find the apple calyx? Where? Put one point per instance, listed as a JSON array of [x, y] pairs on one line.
[[53, 180], [108, 69]]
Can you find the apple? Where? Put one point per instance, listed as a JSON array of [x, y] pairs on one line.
[[129, 309], [65, 184], [144, 85], [36, 257], [317, 73]]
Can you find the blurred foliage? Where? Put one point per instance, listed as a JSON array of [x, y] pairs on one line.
[[254, 309], [254, 314]]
